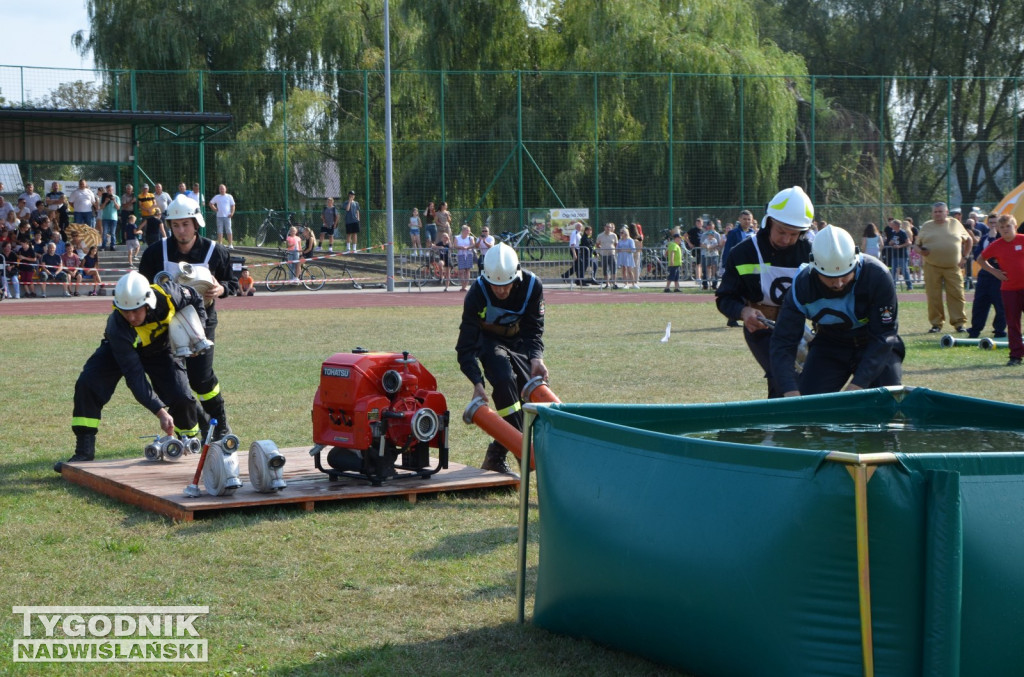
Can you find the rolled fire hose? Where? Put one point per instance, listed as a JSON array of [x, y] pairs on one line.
[[485, 418]]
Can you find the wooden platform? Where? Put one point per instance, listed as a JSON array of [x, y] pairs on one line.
[[157, 486]]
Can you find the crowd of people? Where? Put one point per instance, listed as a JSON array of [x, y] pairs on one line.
[[43, 252]]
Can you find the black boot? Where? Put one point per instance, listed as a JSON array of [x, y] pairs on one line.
[[85, 450], [495, 459], [222, 429]]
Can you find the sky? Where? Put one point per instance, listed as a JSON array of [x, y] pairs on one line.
[[21, 48]]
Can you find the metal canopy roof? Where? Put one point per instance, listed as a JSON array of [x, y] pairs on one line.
[[96, 136]]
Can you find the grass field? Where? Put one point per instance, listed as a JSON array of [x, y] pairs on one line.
[[379, 587]]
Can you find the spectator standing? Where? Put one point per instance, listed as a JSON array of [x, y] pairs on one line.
[[574, 253], [483, 245], [146, 202], [11, 281], [987, 294], [308, 240], [898, 246], [429, 225], [223, 204], [131, 239], [944, 245], [83, 201], [625, 248], [760, 272], [161, 199], [443, 220], [109, 206], [293, 248], [352, 218], [586, 275], [870, 242], [30, 196], [56, 204], [415, 226], [692, 242], [6, 209], [674, 260], [465, 249], [744, 229], [329, 218], [443, 249], [27, 267], [710, 246], [606, 242], [127, 205], [1008, 252]]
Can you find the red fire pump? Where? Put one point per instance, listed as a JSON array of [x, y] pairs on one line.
[[372, 408]]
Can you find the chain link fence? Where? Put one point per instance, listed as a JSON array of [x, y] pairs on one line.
[[505, 147]]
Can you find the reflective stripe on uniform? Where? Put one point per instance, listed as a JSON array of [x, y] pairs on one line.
[[85, 422], [511, 409], [191, 432], [210, 395], [750, 268]]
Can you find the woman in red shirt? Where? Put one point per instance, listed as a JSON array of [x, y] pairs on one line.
[[1008, 252]]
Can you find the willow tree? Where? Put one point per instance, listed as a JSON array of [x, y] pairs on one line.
[[731, 123]]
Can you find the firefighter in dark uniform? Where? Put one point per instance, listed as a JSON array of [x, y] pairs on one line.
[[184, 218], [502, 328], [760, 270], [135, 345], [851, 301]]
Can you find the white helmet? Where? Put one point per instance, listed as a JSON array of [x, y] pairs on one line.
[[501, 265], [183, 207], [833, 253], [133, 291], [791, 207]]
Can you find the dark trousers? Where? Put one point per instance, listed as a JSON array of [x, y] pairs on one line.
[[987, 295], [759, 344], [1013, 302], [203, 381], [99, 379], [830, 365], [507, 369]]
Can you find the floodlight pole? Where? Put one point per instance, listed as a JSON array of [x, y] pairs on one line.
[[389, 196]]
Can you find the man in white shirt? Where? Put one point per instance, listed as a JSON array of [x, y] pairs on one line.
[[224, 204], [83, 201], [5, 207], [162, 199], [30, 196]]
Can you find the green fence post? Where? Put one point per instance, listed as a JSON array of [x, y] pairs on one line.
[[519, 144], [284, 133], [444, 150], [671, 149], [597, 164], [366, 151], [202, 155], [743, 140], [813, 158]]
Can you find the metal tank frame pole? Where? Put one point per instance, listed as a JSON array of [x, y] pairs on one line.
[[529, 416]]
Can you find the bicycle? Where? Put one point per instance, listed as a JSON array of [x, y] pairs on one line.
[[526, 242], [311, 276], [278, 224]]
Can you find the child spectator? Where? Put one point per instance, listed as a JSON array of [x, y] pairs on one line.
[[27, 267], [1008, 252], [10, 282], [90, 272], [294, 245], [674, 258], [624, 251], [246, 285], [444, 253], [131, 239], [415, 223], [72, 266]]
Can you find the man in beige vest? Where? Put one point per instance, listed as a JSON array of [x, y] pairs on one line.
[[944, 245]]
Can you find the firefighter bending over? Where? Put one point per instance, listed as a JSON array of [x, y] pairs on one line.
[[851, 300], [135, 345], [502, 328]]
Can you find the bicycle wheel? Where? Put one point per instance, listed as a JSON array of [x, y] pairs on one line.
[[261, 234], [531, 249], [277, 277], [313, 277]]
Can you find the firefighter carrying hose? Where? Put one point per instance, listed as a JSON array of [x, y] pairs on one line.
[[184, 219], [502, 328], [136, 345], [851, 299], [760, 270]]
